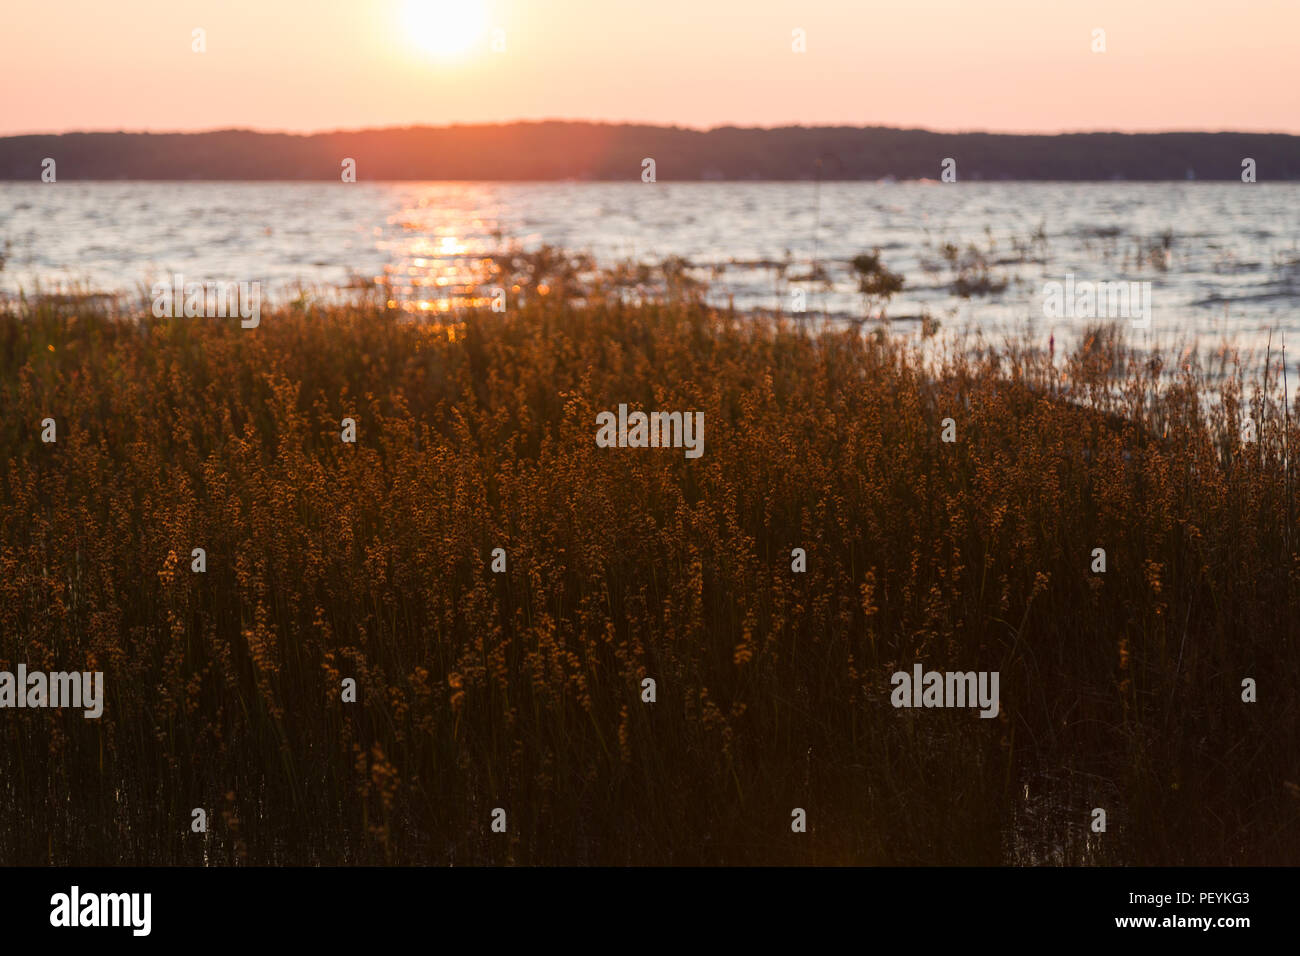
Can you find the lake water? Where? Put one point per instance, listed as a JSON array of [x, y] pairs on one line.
[[1222, 259]]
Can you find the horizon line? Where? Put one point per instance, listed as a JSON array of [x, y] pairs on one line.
[[306, 134]]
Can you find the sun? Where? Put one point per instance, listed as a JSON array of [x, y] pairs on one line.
[[445, 28]]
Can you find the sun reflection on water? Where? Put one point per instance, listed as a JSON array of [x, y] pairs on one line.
[[440, 257]]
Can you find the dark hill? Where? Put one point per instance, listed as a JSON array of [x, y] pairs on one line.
[[595, 151]]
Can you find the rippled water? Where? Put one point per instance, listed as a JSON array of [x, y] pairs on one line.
[[1223, 259]]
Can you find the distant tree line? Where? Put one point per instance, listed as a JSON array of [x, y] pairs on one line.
[[596, 151]]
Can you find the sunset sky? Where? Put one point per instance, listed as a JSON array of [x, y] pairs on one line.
[[307, 65]]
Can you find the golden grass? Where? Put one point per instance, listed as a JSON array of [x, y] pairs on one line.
[[522, 690]]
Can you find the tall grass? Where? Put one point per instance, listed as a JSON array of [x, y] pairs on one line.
[[522, 690]]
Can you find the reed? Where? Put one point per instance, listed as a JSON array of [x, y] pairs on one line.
[[522, 690]]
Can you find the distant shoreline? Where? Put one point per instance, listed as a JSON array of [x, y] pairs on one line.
[[680, 182], [595, 152]]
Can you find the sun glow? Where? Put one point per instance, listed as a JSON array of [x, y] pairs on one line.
[[445, 28]]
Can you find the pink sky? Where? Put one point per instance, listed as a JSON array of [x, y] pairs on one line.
[[304, 65]]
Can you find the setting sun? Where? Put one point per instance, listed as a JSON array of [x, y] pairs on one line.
[[445, 27]]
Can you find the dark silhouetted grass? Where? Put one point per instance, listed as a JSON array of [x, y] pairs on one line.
[[523, 690]]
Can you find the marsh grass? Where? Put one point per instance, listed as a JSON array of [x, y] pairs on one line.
[[522, 690]]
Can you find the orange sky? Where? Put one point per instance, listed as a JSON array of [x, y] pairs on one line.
[[1004, 65]]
